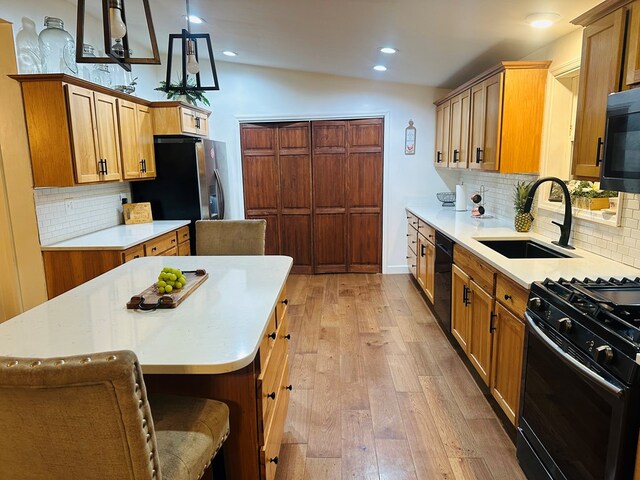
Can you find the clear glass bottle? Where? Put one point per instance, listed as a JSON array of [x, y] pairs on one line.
[[28, 48], [57, 47], [121, 79], [87, 70]]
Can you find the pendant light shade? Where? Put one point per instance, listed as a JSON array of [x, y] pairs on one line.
[[116, 32], [190, 65]]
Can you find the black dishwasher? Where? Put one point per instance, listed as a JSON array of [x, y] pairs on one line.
[[442, 294]]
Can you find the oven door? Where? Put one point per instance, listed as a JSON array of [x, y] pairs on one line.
[[574, 416]]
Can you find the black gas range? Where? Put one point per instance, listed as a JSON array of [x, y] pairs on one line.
[[580, 409]]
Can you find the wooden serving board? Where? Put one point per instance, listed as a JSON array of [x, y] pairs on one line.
[[135, 213], [150, 299]]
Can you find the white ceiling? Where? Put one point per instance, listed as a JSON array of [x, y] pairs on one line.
[[441, 42]]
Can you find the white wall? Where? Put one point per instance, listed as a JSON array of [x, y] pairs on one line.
[[257, 93]]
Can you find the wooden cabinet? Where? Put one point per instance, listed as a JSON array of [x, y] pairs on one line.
[[494, 121], [136, 139], [412, 244], [459, 304], [83, 265], [632, 60], [184, 242], [443, 118], [480, 310], [176, 118], [459, 148], [600, 73], [426, 259]]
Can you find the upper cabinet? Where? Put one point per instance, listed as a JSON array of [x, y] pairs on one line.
[[136, 136], [174, 118], [611, 29], [494, 121]]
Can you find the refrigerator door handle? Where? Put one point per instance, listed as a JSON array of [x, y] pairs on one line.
[[220, 195]]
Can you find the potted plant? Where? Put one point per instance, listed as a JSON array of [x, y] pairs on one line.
[[522, 220], [188, 95], [588, 196]]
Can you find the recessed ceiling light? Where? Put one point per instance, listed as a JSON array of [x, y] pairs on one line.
[[542, 20], [389, 50], [229, 53], [195, 19], [380, 68]]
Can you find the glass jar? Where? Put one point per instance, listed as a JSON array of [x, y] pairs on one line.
[[28, 48], [57, 47], [103, 75], [87, 70], [121, 79]]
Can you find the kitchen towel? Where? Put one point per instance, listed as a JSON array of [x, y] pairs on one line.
[[461, 198]]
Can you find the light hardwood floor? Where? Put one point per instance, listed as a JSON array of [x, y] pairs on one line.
[[379, 393]]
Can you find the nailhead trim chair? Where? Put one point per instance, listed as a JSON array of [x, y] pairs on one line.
[[88, 418], [230, 237]]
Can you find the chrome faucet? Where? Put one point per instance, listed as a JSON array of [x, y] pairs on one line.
[[565, 226]]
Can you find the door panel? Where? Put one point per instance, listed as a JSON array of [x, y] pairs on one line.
[[294, 137], [476, 135], [365, 180], [459, 308], [492, 118], [479, 346], [365, 135], [364, 247], [108, 137], [329, 136], [272, 239], [83, 129], [296, 241], [145, 139], [258, 139], [131, 167], [329, 243], [260, 182], [329, 172]]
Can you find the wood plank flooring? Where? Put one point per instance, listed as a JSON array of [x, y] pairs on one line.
[[379, 393]]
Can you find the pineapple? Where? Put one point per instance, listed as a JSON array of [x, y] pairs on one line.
[[522, 221]]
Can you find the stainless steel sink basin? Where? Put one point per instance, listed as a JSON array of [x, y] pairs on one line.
[[523, 249]]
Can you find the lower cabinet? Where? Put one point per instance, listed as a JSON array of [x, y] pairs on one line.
[[426, 265], [459, 304], [421, 253], [80, 266]]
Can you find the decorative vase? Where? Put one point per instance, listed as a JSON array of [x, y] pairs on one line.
[[522, 222], [29, 58], [57, 47]]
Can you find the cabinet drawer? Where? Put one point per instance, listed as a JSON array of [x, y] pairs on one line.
[[172, 252], [269, 453], [281, 307], [268, 386], [267, 342], [133, 252], [412, 259], [479, 271], [511, 295], [158, 246], [427, 230], [412, 220], [184, 249], [412, 238], [183, 234]]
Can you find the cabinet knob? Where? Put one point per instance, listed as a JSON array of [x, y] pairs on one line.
[[289, 387], [271, 395], [274, 460], [285, 301], [154, 249], [507, 296], [272, 335], [287, 336], [478, 155]]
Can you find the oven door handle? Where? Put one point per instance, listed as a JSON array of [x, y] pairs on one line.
[[572, 362]]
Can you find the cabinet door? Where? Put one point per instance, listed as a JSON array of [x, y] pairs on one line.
[[460, 306], [430, 277], [476, 134], [108, 137], [145, 140], [128, 126], [438, 158], [202, 124], [188, 120], [422, 269], [602, 46], [633, 45], [508, 346], [459, 148], [479, 346], [492, 118], [82, 116]]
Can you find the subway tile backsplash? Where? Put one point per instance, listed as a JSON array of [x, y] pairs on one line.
[[621, 244], [68, 212]]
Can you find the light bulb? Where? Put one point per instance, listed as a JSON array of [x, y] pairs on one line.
[[118, 27], [192, 64]]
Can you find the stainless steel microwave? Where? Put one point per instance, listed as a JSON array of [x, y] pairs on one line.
[[621, 160]]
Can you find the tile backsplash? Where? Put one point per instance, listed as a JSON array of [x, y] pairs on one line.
[[65, 213], [621, 244]]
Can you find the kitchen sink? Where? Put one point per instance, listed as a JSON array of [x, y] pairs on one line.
[[523, 249]]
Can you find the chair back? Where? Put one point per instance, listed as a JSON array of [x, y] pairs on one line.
[[81, 417], [230, 237]]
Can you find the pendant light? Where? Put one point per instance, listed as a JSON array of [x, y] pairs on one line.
[[116, 34], [190, 65]]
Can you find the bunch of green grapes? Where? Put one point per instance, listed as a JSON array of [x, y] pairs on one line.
[[170, 279]]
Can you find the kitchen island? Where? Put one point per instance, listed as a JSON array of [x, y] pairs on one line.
[[225, 341]]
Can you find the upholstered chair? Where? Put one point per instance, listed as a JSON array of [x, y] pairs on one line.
[[89, 418], [230, 237]]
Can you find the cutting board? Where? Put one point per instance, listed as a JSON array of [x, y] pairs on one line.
[[135, 213], [150, 299]]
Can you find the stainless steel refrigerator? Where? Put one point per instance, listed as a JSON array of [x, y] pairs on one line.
[[188, 185]]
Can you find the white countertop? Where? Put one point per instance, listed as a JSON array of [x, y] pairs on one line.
[[466, 231], [217, 329], [119, 237]]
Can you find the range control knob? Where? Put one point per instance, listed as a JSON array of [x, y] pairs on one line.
[[603, 354], [535, 304], [564, 325]]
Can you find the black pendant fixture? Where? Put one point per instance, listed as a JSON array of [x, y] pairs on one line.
[[116, 34], [190, 61]]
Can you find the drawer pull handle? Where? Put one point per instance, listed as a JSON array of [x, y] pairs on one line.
[[136, 256], [154, 249], [287, 336], [507, 297], [274, 460], [285, 301], [173, 240], [271, 395], [272, 335], [289, 387]]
